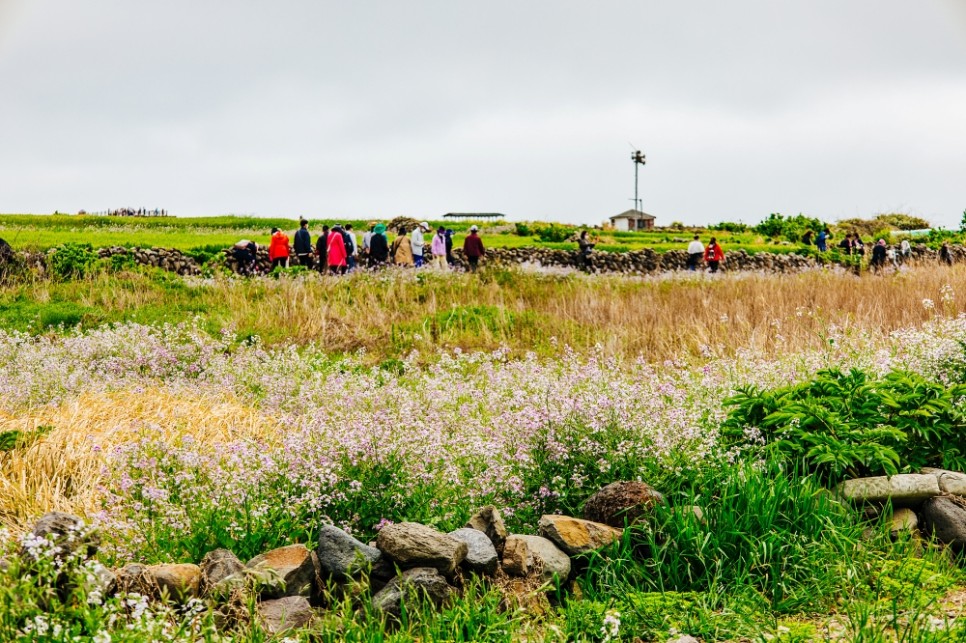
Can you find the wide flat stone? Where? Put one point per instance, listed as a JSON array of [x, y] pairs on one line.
[[952, 482], [286, 571], [481, 556], [411, 544], [282, 614], [525, 555], [905, 489], [575, 536]]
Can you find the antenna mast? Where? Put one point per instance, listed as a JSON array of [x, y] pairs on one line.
[[638, 159]]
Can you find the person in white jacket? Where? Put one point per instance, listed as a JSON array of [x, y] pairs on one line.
[[417, 243], [695, 253]]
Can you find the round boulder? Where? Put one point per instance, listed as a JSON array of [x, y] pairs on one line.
[[622, 503]]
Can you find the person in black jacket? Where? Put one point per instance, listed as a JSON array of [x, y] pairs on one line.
[[321, 248], [878, 255], [378, 247], [303, 244]]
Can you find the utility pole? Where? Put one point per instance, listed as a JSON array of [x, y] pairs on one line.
[[638, 159]]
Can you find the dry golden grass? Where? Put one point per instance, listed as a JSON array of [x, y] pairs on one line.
[[62, 470]]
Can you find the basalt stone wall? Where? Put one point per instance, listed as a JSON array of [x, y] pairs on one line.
[[638, 262]]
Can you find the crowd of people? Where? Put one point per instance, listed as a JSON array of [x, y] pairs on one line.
[[339, 249]]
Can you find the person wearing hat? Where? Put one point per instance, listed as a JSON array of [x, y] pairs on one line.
[[378, 246], [438, 248], [473, 248], [416, 240], [278, 249], [402, 249]]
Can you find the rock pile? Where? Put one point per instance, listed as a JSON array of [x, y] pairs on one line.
[[408, 561]]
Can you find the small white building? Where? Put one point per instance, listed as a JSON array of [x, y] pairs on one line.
[[633, 220]]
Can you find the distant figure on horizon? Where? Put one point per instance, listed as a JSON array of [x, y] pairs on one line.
[[351, 246], [821, 242], [473, 248], [321, 249], [695, 253], [713, 255], [278, 249], [417, 243], [878, 256], [378, 246], [303, 244], [807, 238], [335, 251], [438, 249], [402, 249]]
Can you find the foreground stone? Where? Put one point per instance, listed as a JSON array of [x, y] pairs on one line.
[[526, 555], [286, 571], [906, 489], [481, 556], [946, 518], [575, 536], [177, 582], [412, 585], [281, 614], [951, 482], [68, 533], [489, 520], [413, 545], [341, 556], [622, 503], [219, 565]]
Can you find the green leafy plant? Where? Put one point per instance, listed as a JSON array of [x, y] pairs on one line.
[[850, 424], [72, 260]]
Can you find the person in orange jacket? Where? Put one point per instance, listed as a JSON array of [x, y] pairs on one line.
[[713, 255], [278, 249]]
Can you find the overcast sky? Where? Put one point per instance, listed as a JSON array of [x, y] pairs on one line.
[[361, 109]]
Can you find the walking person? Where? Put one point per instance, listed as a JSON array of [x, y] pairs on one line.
[[695, 253], [303, 244], [351, 246], [321, 250], [846, 245], [585, 248], [450, 259], [417, 243], [473, 248], [278, 249], [822, 240], [401, 252], [335, 251], [438, 249], [878, 256], [713, 255], [378, 246]]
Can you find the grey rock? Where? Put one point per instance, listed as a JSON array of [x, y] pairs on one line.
[[489, 520], [410, 544], [946, 518], [341, 556], [68, 533], [218, 565], [413, 584], [286, 571], [904, 490], [951, 482], [481, 556], [133, 577], [282, 614], [527, 555]]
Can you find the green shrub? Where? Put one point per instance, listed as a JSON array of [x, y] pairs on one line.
[[554, 232], [850, 424], [72, 260], [523, 230]]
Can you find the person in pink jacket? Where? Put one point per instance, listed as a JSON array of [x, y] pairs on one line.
[[335, 252], [438, 248]]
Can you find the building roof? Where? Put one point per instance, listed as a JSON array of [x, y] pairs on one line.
[[474, 215], [633, 214]]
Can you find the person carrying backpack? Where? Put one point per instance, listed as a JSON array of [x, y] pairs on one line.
[[713, 255]]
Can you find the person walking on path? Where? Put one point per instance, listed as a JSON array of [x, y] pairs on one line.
[[450, 259], [438, 249], [321, 249], [586, 249], [335, 251], [303, 244], [473, 248], [713, 255], [695, 253], [278, 249], [402, 250], [822, 240], [878, 256], [378, 246], [846, 245], [417, 243], [351, 246]]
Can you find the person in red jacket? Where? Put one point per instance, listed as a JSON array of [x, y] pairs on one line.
[[713, 255], [473, 248], [278, 249], [335, 251]]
